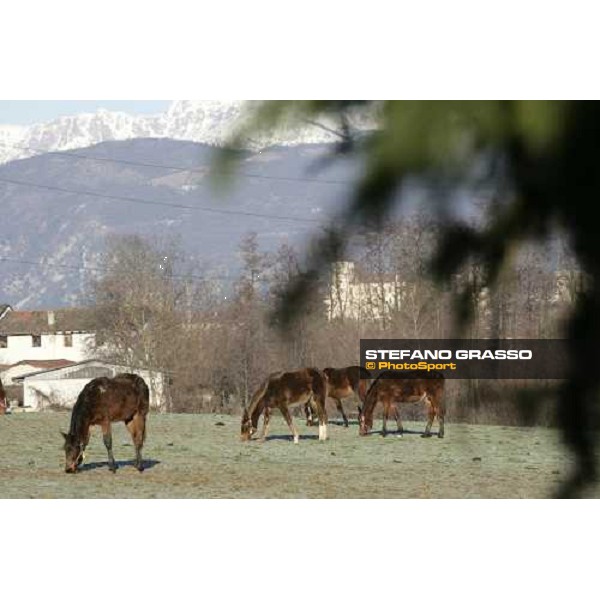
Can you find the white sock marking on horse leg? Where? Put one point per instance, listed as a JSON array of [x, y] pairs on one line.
[[322, 432]]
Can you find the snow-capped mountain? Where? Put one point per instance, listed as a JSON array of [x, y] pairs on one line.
[[205, 121]]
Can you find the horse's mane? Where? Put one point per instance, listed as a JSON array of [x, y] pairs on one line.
[[369, 403], [258, 396], [82, 407]]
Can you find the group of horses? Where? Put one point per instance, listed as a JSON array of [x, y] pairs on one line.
[[311, 387], [126, 397]]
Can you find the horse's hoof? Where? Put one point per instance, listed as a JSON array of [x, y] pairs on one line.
[[425, 435], [441, 436], [140, 468], [113, 468]]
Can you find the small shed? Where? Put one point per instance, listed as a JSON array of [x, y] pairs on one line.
[[10, 372], [59, 387]]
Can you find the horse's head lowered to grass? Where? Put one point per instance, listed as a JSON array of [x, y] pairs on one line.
[[73, 452], [248, 429]]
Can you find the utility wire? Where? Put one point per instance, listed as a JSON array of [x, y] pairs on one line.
[[68, 153], [104, 270], [221, 211]]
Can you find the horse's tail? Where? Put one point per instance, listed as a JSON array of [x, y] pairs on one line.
[[318, 382], [143, 393]]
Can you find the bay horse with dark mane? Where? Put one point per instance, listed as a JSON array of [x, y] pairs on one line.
[[103, 401], [390, 390], [282, 390], [3, 404], [341, 384]]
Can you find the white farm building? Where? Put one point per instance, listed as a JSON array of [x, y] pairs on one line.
[[59, 387], [41, 335]]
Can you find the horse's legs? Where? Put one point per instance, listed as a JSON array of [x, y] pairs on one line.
[[288, 419], [399, 427], [386, 411], [86, 441], [310, 413], [440, 411], [266, 418], [322, 414], [137, 429], [107, 437], [340, 407], [430, 417]]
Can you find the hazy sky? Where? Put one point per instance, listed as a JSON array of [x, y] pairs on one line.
[[25, 112]]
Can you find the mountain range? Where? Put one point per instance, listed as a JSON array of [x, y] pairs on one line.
[[204, 121]]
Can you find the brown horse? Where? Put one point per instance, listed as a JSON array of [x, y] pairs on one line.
[[341, 384], [102, 401], [282, 390], [412, 388], [3, 403]]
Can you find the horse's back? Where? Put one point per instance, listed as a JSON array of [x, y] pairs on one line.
[[410, 385], [141, 390], [296, 386], [347, 377], [116, 399]]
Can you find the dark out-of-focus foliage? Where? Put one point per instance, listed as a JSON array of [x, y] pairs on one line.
[[543, 161]]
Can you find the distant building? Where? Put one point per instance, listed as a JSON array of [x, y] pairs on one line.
[[357, 296], [65, 333], [59, 387]]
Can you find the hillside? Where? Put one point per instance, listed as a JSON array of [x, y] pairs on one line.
[[52, 220]]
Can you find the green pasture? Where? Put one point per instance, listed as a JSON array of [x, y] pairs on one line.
[[201, 456]]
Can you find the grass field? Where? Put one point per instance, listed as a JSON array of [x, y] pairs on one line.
[[200, 456]]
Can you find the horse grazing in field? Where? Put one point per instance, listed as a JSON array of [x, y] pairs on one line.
[[102, 401], [411, 388], [282, 390], [3, 403], [343, 383]]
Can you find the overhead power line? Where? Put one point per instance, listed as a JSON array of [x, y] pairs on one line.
[[145, 201], [176, 168], [64, 266]]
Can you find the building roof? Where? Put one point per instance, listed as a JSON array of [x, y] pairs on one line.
[[89, 361], [44, 364], [36, 322]]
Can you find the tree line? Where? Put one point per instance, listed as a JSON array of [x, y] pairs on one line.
[[217, 340]]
